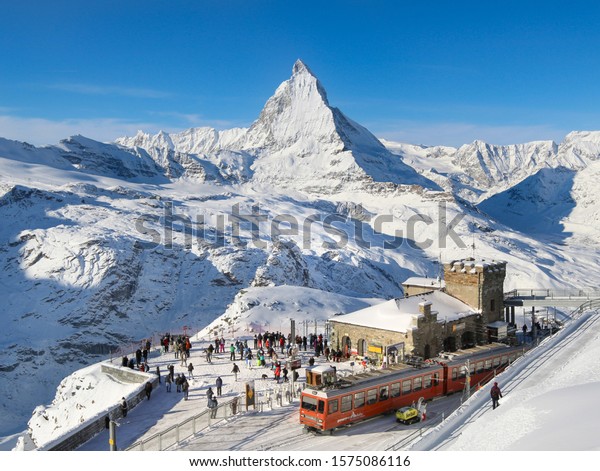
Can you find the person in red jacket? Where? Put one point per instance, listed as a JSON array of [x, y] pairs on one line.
[[496, 394], [277, 371]]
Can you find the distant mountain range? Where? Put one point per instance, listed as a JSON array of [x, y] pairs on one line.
[[103, 244]]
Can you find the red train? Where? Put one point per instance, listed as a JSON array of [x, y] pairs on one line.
[[329, 402]]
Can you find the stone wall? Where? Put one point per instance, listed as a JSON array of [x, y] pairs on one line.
[[371, 336], [479, 284]]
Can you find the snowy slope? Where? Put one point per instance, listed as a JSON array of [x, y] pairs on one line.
[[104, 244]]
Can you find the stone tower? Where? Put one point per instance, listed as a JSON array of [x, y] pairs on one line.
[[480, 284]]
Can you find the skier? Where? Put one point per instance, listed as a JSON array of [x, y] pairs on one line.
[[496, 394]]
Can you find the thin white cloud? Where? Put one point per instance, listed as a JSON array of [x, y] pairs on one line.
[[38, 131], [41, 131], [90, 89]]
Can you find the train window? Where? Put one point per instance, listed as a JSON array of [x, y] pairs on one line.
[[395, 390], [371, 396], [496, 362], [417, 383], [426, 382], [512, 357], [346, 403], [504, 360], [406, 386], [309, 403], [488, 364], [384, 393], [359, 400], [454, 373], [321, 407], [333, 406], [436, 379], [472, 368], [463, 371], [479, 368]]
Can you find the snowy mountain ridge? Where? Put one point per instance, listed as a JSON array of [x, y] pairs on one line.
[[103, 244], [479, 170]]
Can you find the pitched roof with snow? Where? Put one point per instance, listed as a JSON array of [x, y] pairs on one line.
[[433, 283], [398, 314]]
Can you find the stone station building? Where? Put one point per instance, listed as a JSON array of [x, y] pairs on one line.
[[462, 310]]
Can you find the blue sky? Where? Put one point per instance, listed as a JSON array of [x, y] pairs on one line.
[[420, 72]]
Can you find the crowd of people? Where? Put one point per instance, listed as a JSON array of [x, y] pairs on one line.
[[269, 351]]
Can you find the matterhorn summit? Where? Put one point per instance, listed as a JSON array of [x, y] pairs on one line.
[[298, 118], [298, 141]]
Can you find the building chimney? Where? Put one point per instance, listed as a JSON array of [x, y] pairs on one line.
[[425, 308]]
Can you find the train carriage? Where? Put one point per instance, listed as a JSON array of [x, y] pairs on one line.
[[365, 395], [482, 362], [329, 402]]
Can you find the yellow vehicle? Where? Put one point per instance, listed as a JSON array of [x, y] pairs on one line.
[[408, 415]]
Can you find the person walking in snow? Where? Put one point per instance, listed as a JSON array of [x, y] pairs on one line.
[[185, 388], [277, 371], [496, 394], [235, 370], [219, 384], [212, 405], [124, 407], [191, 371], [285, 374], [148, 389], [168, 382], [209, 393], [232, 352]]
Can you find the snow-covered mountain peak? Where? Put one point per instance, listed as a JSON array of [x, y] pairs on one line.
[[298, 141], [297, 114], [301, 68]]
